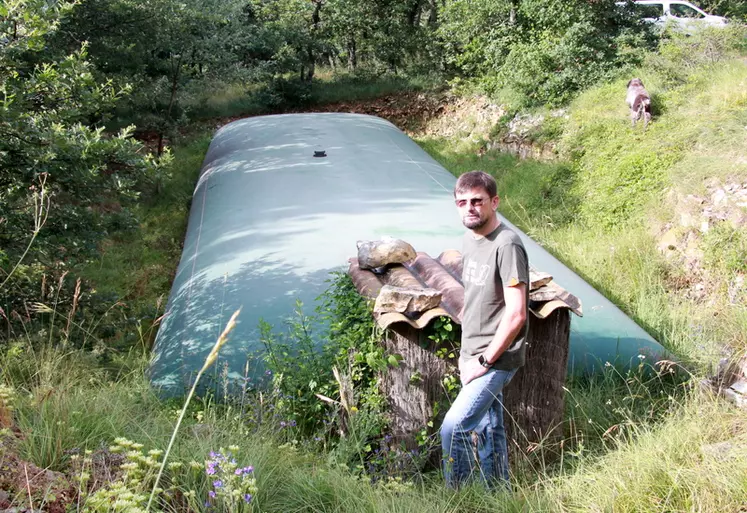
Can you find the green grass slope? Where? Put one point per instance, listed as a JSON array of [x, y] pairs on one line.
[[632, 210]]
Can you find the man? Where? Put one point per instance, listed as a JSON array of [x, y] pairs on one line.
[[494, 328]]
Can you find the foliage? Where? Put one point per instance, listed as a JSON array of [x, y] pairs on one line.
[[331, 392], [162, 48], [545, 51], [59, 169], [735, 10], [681, 54], [726, 247]]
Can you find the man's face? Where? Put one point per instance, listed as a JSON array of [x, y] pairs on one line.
[[476, 207]]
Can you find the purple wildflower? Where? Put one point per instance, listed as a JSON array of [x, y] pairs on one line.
[[282, 424], [210, 470], [247, 497], [212, 494], [218, 483], [293, 423]]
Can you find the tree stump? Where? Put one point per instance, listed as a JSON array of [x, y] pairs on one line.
[[534, 399]]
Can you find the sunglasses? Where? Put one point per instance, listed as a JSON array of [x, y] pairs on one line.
[[475, 202]]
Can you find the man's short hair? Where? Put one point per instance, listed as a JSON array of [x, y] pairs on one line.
[[476, 180]]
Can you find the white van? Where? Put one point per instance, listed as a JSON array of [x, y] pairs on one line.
[[682, 14]]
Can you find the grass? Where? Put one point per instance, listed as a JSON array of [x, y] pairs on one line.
[[601, 209], [328, 87], [660, 457]]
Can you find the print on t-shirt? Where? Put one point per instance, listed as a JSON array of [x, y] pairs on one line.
[[472, 276]]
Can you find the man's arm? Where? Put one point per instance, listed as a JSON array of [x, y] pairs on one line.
[[511, 324]]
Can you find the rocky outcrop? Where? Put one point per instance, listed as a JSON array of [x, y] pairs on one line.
[[681, 241]]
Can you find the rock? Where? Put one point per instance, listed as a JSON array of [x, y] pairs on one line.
[[538, 279], [720, 451], [378, 253], [737, 219], [405, 300], [687, 220], [718, 197], [668, 241]]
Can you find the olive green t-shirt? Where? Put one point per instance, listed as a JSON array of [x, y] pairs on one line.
[[489, 264]]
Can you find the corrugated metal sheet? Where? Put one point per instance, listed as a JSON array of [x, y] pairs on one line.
[[444, 274]]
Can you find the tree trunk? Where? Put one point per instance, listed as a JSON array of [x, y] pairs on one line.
[[534, 398], [175, 73], [352, 53], [432, 13], [414, 387], [412, 14], [315, 18]]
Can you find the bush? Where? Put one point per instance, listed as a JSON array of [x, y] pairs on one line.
[[680, 54], [554, 69]]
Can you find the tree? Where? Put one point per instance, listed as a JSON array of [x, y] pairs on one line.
[[163, 48], [53, 149]]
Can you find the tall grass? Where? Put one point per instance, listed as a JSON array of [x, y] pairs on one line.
[[631, 446]]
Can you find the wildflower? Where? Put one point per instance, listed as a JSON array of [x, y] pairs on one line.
[[293, 423], [218, 483], [210, 470], [247, 498], [268, 373], [282, 424], [212, 494], [641, 356], [607, 364]]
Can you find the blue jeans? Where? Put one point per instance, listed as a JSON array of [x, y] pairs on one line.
[[478, 408]]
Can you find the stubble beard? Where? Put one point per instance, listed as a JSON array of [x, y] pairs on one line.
[[474, 224]]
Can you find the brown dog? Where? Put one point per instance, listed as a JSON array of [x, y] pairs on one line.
[[639, 102]]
